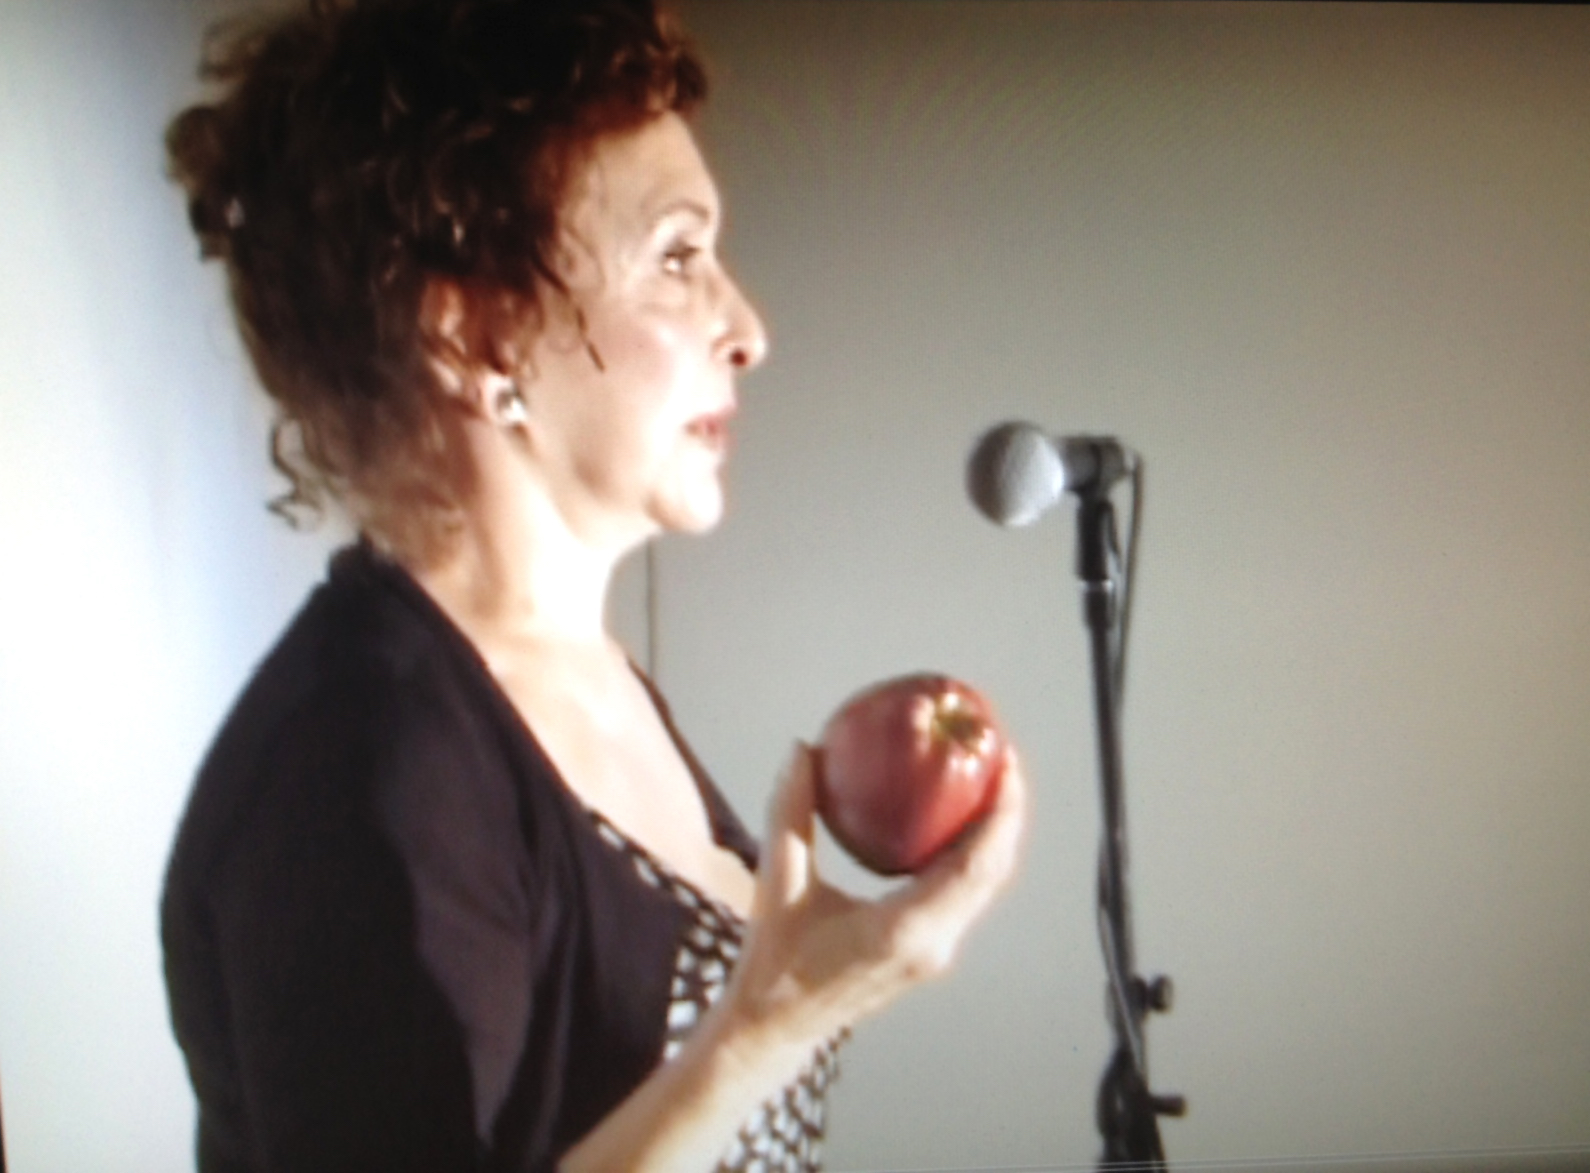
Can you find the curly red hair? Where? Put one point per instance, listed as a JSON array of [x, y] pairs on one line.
[[359, 150]]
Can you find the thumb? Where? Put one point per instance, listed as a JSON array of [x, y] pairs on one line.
[[785, 873]]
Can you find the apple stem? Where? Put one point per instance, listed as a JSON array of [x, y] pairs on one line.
[[963, 728]]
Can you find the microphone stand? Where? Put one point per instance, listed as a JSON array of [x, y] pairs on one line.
[[1126, 1109]]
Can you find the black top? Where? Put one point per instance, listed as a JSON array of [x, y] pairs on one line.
[[393, 938]]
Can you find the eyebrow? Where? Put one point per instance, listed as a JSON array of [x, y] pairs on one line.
[[686, 204]]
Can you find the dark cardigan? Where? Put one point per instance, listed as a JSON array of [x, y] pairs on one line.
[[393, 938]]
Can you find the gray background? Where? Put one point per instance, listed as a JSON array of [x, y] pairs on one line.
[[1326, 267]]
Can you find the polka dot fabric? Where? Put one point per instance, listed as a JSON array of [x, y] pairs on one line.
[[785, 1134]]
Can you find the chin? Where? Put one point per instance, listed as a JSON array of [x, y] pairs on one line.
[[696, 513], [702, 522]]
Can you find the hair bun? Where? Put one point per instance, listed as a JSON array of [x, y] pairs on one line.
[[197, 154]]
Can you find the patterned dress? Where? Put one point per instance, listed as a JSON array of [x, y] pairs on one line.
[[785, 1134]]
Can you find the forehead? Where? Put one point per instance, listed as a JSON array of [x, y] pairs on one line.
[[633, 178]]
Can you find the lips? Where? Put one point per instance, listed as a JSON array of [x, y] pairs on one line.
[[712, 429]]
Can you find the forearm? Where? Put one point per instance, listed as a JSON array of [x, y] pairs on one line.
[[687, 1112]]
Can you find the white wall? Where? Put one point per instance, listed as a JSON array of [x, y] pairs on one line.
[[142, 575], [1324, 266]]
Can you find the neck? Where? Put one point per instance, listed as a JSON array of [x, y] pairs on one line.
[[549, 588], [520, 574]]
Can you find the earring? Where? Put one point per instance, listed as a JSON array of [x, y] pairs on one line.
[[512, 410]]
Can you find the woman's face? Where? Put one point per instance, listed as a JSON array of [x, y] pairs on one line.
[[630, 422]]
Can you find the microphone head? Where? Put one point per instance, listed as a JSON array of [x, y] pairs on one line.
[[1014, 474]]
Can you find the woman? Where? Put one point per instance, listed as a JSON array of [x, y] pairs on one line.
[[451, 892]]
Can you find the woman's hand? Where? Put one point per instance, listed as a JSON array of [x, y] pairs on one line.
[[817, 960]]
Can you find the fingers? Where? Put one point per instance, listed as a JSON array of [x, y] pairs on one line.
[[994, 847], [817, 957], [1002, 834], [964, 879], [932, 916]]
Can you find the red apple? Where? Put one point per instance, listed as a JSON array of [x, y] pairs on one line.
[[904, 766]]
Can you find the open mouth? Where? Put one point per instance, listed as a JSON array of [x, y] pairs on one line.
[[712, 430]]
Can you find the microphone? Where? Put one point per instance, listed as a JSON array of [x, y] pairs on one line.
[[1017, 472]]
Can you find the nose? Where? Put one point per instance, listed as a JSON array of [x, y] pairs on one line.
[[742, 341]]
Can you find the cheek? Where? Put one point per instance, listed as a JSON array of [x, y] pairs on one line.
[[648, 340], [647, 358], [631, 415]]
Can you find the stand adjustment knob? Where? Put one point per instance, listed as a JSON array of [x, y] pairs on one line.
[[1168, 1105], [1159, 994]]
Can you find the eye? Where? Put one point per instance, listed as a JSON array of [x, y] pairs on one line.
[[679, 257]]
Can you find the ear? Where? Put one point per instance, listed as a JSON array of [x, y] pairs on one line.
[[444, 335], [474, 337]]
